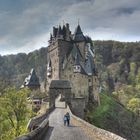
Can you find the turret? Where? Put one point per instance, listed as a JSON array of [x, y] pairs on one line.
[[60, 33], [55, 30], [50, 41], [32, 81], [78, 35], [64, 31], [68, 32]]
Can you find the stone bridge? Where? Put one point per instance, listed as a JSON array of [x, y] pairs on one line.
[[52, 127]]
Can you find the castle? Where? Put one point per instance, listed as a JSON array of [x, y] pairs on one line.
[[71, 57]]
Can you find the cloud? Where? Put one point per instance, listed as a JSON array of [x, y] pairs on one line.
[[26, 24], [113, 17], [19, 28]]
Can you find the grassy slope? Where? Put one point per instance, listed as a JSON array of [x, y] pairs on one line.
[[112, 116]]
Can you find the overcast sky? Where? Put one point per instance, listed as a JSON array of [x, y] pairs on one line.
[[25, 25]]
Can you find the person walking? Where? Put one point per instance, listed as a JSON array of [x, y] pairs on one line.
[[68, 118], [65, 119]]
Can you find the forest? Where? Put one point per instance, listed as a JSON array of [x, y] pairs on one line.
[[118, 65]]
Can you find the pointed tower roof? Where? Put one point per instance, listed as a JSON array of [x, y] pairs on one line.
[[90, 65], [78, 34], [32, 80], [75, 51]]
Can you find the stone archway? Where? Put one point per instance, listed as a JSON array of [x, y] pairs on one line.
[[57, 87]]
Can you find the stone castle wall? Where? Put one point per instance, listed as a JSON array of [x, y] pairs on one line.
[[94, 132], [79, 81], [78, 106], [63, 65]]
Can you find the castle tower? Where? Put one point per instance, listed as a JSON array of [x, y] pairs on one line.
[[71, 57], [80, 41], [59, 45]]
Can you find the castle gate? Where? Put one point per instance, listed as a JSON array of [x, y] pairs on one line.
[[57, 87]]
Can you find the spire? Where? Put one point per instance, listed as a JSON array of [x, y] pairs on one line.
[[78, 30], [32, 81], [59, 31], [55, 31], [78, 35]]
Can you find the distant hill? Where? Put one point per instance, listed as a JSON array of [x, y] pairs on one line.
[[14, 68], [114, 62], [111, 57]]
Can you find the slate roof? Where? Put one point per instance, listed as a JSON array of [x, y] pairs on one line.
[[78, 35], [75, 51], [83, 70], [88, 39], [89, 65], [77, 59], [32, 79]]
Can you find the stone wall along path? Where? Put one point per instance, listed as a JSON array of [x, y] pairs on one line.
[[58, 131]]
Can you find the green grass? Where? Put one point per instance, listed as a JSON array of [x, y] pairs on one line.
[[103, 112]]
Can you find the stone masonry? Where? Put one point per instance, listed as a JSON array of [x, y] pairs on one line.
[[71, 57]]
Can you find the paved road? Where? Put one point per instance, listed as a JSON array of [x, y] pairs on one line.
[[58, 131]]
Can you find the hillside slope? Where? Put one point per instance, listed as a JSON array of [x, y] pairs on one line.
[[117, 62], [114, 117], [112, 58]]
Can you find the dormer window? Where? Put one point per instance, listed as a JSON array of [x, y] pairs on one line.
[[49, 74], [49, 69], [77, 68]]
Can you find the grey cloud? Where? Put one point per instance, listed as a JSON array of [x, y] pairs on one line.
[[118, 17], [34, 20], [25, 22]]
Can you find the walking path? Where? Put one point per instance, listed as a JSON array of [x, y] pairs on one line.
[[58, 131]]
